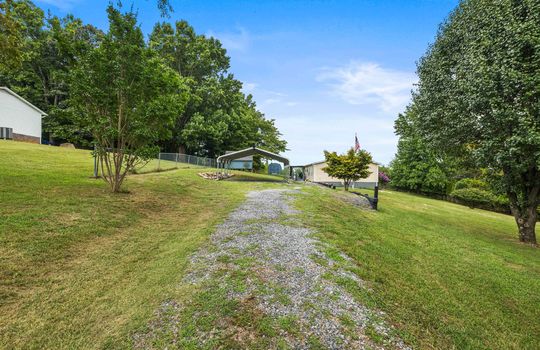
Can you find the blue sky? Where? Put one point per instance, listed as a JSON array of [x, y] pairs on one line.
[[323, 69]]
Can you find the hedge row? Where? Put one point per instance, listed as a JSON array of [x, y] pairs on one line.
[[473, 193], [478, 198]]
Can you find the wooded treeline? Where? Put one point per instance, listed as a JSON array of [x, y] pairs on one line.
[[473, 128], [41, 57]]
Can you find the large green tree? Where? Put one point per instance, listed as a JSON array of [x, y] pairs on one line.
[[416, 166], [127, 97], [200, 59], [229, 120], [219, 116], [11, 37], [479, 96], [47, 50], [39, 53]]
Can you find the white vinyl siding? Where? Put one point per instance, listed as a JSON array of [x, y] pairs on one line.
[[18, 115]]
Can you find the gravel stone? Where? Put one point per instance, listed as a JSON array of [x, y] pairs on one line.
[[295, 270]]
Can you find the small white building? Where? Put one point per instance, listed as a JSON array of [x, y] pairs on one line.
[[19, 119], [314, 173]]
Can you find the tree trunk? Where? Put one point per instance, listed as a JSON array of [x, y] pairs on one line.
[[526, 222], [523, 190], [525, 214]]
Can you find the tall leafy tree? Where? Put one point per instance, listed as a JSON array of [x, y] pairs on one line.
[[127, 97], [229, 121], [416, 166], [43, 51], [22, 31], [67, 41], [49, 48], [198, 58], [479, 96], [11, 37], [349, 167], [219, 116], [190, 54]]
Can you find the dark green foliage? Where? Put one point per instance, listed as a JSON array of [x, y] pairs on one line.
[[10, 36], [38, 55], [218, 117], [479, 97], [416, 166], [471, 183], [476, 193], [39, 70], [126, 96], [474, 196]]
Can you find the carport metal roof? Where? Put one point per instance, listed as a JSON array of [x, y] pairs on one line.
[[250, 152]]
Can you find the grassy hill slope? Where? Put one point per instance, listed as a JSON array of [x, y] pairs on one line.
[[448, 276], [82, 268]]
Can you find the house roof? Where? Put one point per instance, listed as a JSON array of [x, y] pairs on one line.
[[250, 152], [324, 161], [3, 88], [315, 163]]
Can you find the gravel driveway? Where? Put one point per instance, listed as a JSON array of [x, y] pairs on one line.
[[289, 277]]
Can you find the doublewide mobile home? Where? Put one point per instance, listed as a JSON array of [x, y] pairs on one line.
[[313, 172]]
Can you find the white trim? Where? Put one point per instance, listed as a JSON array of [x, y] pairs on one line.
[[43, 114], [310, 164]]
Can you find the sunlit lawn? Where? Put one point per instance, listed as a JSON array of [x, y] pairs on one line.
[[448, 276], [83, 268]]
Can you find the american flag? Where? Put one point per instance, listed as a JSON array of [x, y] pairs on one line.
[[356, 143]]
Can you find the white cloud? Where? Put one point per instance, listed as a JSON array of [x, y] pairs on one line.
[[240, 40], [249, 87], [270, 101], [64, 5], [276, 93], [362, 83]]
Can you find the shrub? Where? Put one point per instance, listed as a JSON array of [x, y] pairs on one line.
[[383, 178], [471, 183], [474, 196], [478, 198]]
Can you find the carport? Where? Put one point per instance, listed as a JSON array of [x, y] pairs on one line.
[[224, 160]]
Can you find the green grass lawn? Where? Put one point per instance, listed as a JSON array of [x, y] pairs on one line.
[[248, 176], [155, 165], [447, 276], [83, 268]]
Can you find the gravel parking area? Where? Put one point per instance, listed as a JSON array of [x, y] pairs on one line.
[[290, 276]]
